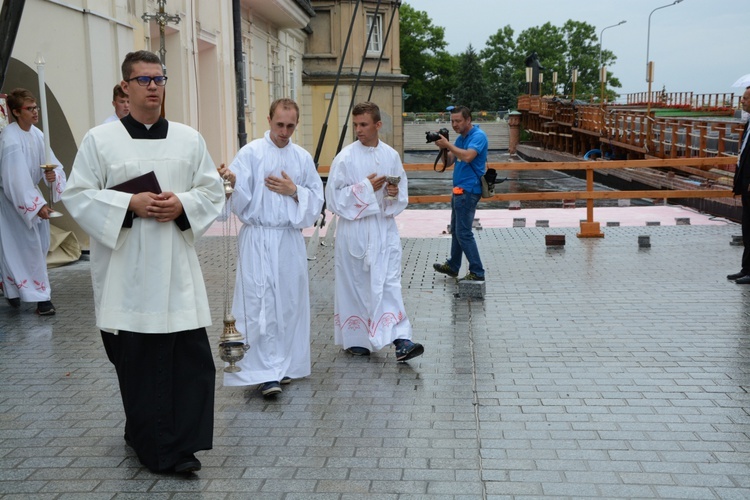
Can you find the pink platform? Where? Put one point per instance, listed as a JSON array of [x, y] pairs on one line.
[[415, 223]]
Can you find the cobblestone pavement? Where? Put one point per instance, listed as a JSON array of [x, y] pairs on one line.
[[595, 370]]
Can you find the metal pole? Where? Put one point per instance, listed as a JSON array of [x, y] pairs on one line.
[[324, 128], [603, 71], [382, 51], [648, 34], [601, 37], [356, 83], [238, 72]]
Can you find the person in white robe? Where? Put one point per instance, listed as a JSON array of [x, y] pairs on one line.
[[277, 193], [121, 103], [369, 311], [24, 212], [149, 294]]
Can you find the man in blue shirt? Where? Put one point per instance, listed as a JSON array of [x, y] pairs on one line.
[[469, 154]]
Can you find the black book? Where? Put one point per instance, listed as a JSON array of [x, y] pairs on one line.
[[146, 183]]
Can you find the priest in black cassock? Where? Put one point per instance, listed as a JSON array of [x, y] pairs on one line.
[[742, 189], [145, 190]]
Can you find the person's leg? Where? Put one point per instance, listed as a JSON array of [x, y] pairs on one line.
[[465, 207], [746, 234], [454, 262]]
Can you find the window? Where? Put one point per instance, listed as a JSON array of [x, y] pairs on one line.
[[376, 39], [277, 85], [244, 77], [292, 80]]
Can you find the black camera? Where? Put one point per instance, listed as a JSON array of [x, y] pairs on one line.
[[434, 136]]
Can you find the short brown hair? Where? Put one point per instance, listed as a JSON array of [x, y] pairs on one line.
[[285, 103], [135, 57], [367, 107], [118, 92], [463, 110], [17, 97]]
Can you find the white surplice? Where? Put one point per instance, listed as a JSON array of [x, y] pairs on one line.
[[146, 278], [271, 293], [24, 236], [368, 308]]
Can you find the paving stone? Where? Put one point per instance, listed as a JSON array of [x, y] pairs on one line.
[[619, 375]]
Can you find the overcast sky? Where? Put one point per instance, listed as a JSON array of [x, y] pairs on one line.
[[701, 46]]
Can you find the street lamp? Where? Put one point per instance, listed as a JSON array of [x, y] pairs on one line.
[[574, 79], [541, 80], [603, 71], [529, 77], [601, 54], [648, 34], [554, 83]]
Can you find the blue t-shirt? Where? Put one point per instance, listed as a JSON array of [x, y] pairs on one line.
[[466, 175]]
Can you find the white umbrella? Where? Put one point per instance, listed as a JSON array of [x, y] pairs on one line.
[[743, 82]]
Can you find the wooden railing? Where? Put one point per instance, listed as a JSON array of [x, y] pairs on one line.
[[590, 228], [684, 100], [636, 129], [672, 137]]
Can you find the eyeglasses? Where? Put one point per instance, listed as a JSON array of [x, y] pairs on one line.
[[145, 81], [31, 108]]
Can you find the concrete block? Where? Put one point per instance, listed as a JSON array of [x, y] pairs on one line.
[[612, 223], [554, 240], [519, 222], [653, 223], [644, 241], [682, 221], [569, 203], [736, 240], [514, 205], [471, 289], [542, 223]]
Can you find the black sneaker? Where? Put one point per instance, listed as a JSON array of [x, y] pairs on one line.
[[45, 308], [188, 464], [445, 269], [358, 351], [285, 381], [472, 277], [406, 349], [14, 303], [269, 389]]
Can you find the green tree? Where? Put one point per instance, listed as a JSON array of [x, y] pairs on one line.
[[501, 72], [430, 67], [471, 89], [583, 54], [560, 49]]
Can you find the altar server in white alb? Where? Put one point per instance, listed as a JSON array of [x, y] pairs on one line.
[[369, 311], [277, 193], [24, 213], [150, 298]]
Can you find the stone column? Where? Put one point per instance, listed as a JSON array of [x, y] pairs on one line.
[[514, 137]]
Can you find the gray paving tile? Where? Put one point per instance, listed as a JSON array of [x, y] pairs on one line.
[[600, 371]]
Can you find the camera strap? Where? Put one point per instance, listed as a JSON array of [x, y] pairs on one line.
[[443, 153]]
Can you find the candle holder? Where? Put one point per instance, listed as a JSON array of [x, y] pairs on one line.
[[53, 213]]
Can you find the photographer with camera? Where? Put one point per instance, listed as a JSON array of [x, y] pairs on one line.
[[469, 153]]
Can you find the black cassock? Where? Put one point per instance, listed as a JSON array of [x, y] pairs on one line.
[[167, 386]]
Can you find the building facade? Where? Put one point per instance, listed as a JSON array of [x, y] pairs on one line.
[[290, 48]]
